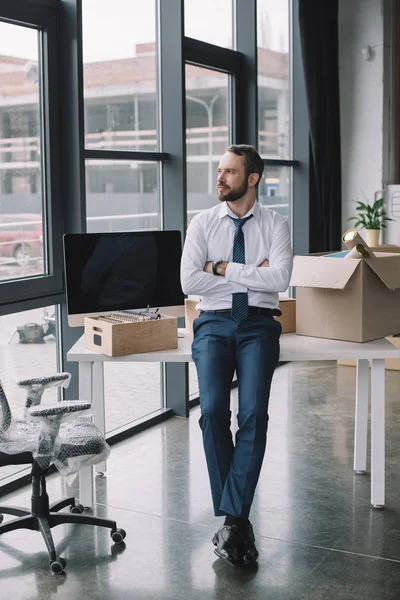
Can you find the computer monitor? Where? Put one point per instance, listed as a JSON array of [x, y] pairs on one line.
[[107, 272]]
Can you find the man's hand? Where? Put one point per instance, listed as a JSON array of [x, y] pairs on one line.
[[221, 268], [208, 267], [265, 263]]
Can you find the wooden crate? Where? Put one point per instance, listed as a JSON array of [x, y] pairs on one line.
[[119, 339]]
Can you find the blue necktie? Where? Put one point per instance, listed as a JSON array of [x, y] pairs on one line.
[[240, 302]]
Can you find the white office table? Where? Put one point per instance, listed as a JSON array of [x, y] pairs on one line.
[[293, 348]]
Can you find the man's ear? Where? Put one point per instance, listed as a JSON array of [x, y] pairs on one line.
[[254, 178]]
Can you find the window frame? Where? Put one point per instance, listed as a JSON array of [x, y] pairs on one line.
[[45, 19]]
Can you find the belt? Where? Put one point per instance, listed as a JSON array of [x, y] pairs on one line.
[[253, 311]]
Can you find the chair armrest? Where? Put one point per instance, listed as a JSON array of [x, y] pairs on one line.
[[35, 386], [50, 416], [49, 381], [59, 408]]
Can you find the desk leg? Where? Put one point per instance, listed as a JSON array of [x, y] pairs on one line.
[[98, 405], [86, 496], [361, 417], [378, 433]]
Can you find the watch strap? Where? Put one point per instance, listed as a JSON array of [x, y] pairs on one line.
[[215, 265]]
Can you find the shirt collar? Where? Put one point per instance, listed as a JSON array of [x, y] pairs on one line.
[[225, 211]]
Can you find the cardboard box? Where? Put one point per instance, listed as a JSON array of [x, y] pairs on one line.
[[286, 305], [355, 300], [118, 339], [288, 318], [386, 248], [391, 364]]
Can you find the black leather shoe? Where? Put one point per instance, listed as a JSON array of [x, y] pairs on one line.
[[229, 544], [250, 551]]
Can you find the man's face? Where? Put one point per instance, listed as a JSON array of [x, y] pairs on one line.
[[232, 182]]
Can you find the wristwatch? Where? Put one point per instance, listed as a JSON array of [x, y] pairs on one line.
[[215, 265]]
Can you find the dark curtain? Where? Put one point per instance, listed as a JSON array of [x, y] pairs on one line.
[[318, 21]]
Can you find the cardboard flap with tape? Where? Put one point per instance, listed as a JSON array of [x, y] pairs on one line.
[[322, 272]]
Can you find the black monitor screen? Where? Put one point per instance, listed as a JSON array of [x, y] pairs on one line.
[[122, 271]]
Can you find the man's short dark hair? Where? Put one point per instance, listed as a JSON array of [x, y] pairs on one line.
[[252, 160]]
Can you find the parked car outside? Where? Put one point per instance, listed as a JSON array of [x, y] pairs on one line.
[[21, 237]]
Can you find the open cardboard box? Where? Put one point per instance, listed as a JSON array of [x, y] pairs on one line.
[[356, 300]]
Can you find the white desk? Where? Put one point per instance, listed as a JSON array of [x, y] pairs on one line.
[[293, 348]]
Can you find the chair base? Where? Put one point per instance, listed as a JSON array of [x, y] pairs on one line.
[[50, 518]]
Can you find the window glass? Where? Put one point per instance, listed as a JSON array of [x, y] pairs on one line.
[[122, 196], [210, 21], [120, 74], [28, 348], [274, 79], [132, 391], [21, 172], [207, 134], [275, 189]]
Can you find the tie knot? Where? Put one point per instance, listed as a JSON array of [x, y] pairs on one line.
[[240, 222]]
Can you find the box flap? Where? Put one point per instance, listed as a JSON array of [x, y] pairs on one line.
[[387, 267], [322, 272]]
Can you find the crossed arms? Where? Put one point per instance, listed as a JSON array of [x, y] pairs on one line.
[[272, 275]]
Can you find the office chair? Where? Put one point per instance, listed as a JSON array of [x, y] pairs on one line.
[[41, 439]]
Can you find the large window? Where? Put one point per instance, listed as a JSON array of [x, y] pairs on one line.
[[30, 230], [21, 168]]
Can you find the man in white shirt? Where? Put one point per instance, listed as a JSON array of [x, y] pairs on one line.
[[237, 256]]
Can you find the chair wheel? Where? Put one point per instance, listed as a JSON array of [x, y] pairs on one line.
[[118, 536], [77, 509], [57, 566], [1, 518]]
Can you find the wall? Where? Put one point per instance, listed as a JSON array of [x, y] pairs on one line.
[[361, 23]]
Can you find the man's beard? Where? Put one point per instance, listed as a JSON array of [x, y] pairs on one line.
[[231, 195]]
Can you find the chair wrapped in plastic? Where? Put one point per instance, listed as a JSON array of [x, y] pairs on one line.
[[78, 443], [50, 433]]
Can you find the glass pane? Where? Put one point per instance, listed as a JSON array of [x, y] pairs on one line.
[[132, 391], [122, 196], [120, 74], [210, 21], [274, 79], [21, 199], [207, 135], [28, 348], [275, 190]]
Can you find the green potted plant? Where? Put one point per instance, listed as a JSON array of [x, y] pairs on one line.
[[372, 218]]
